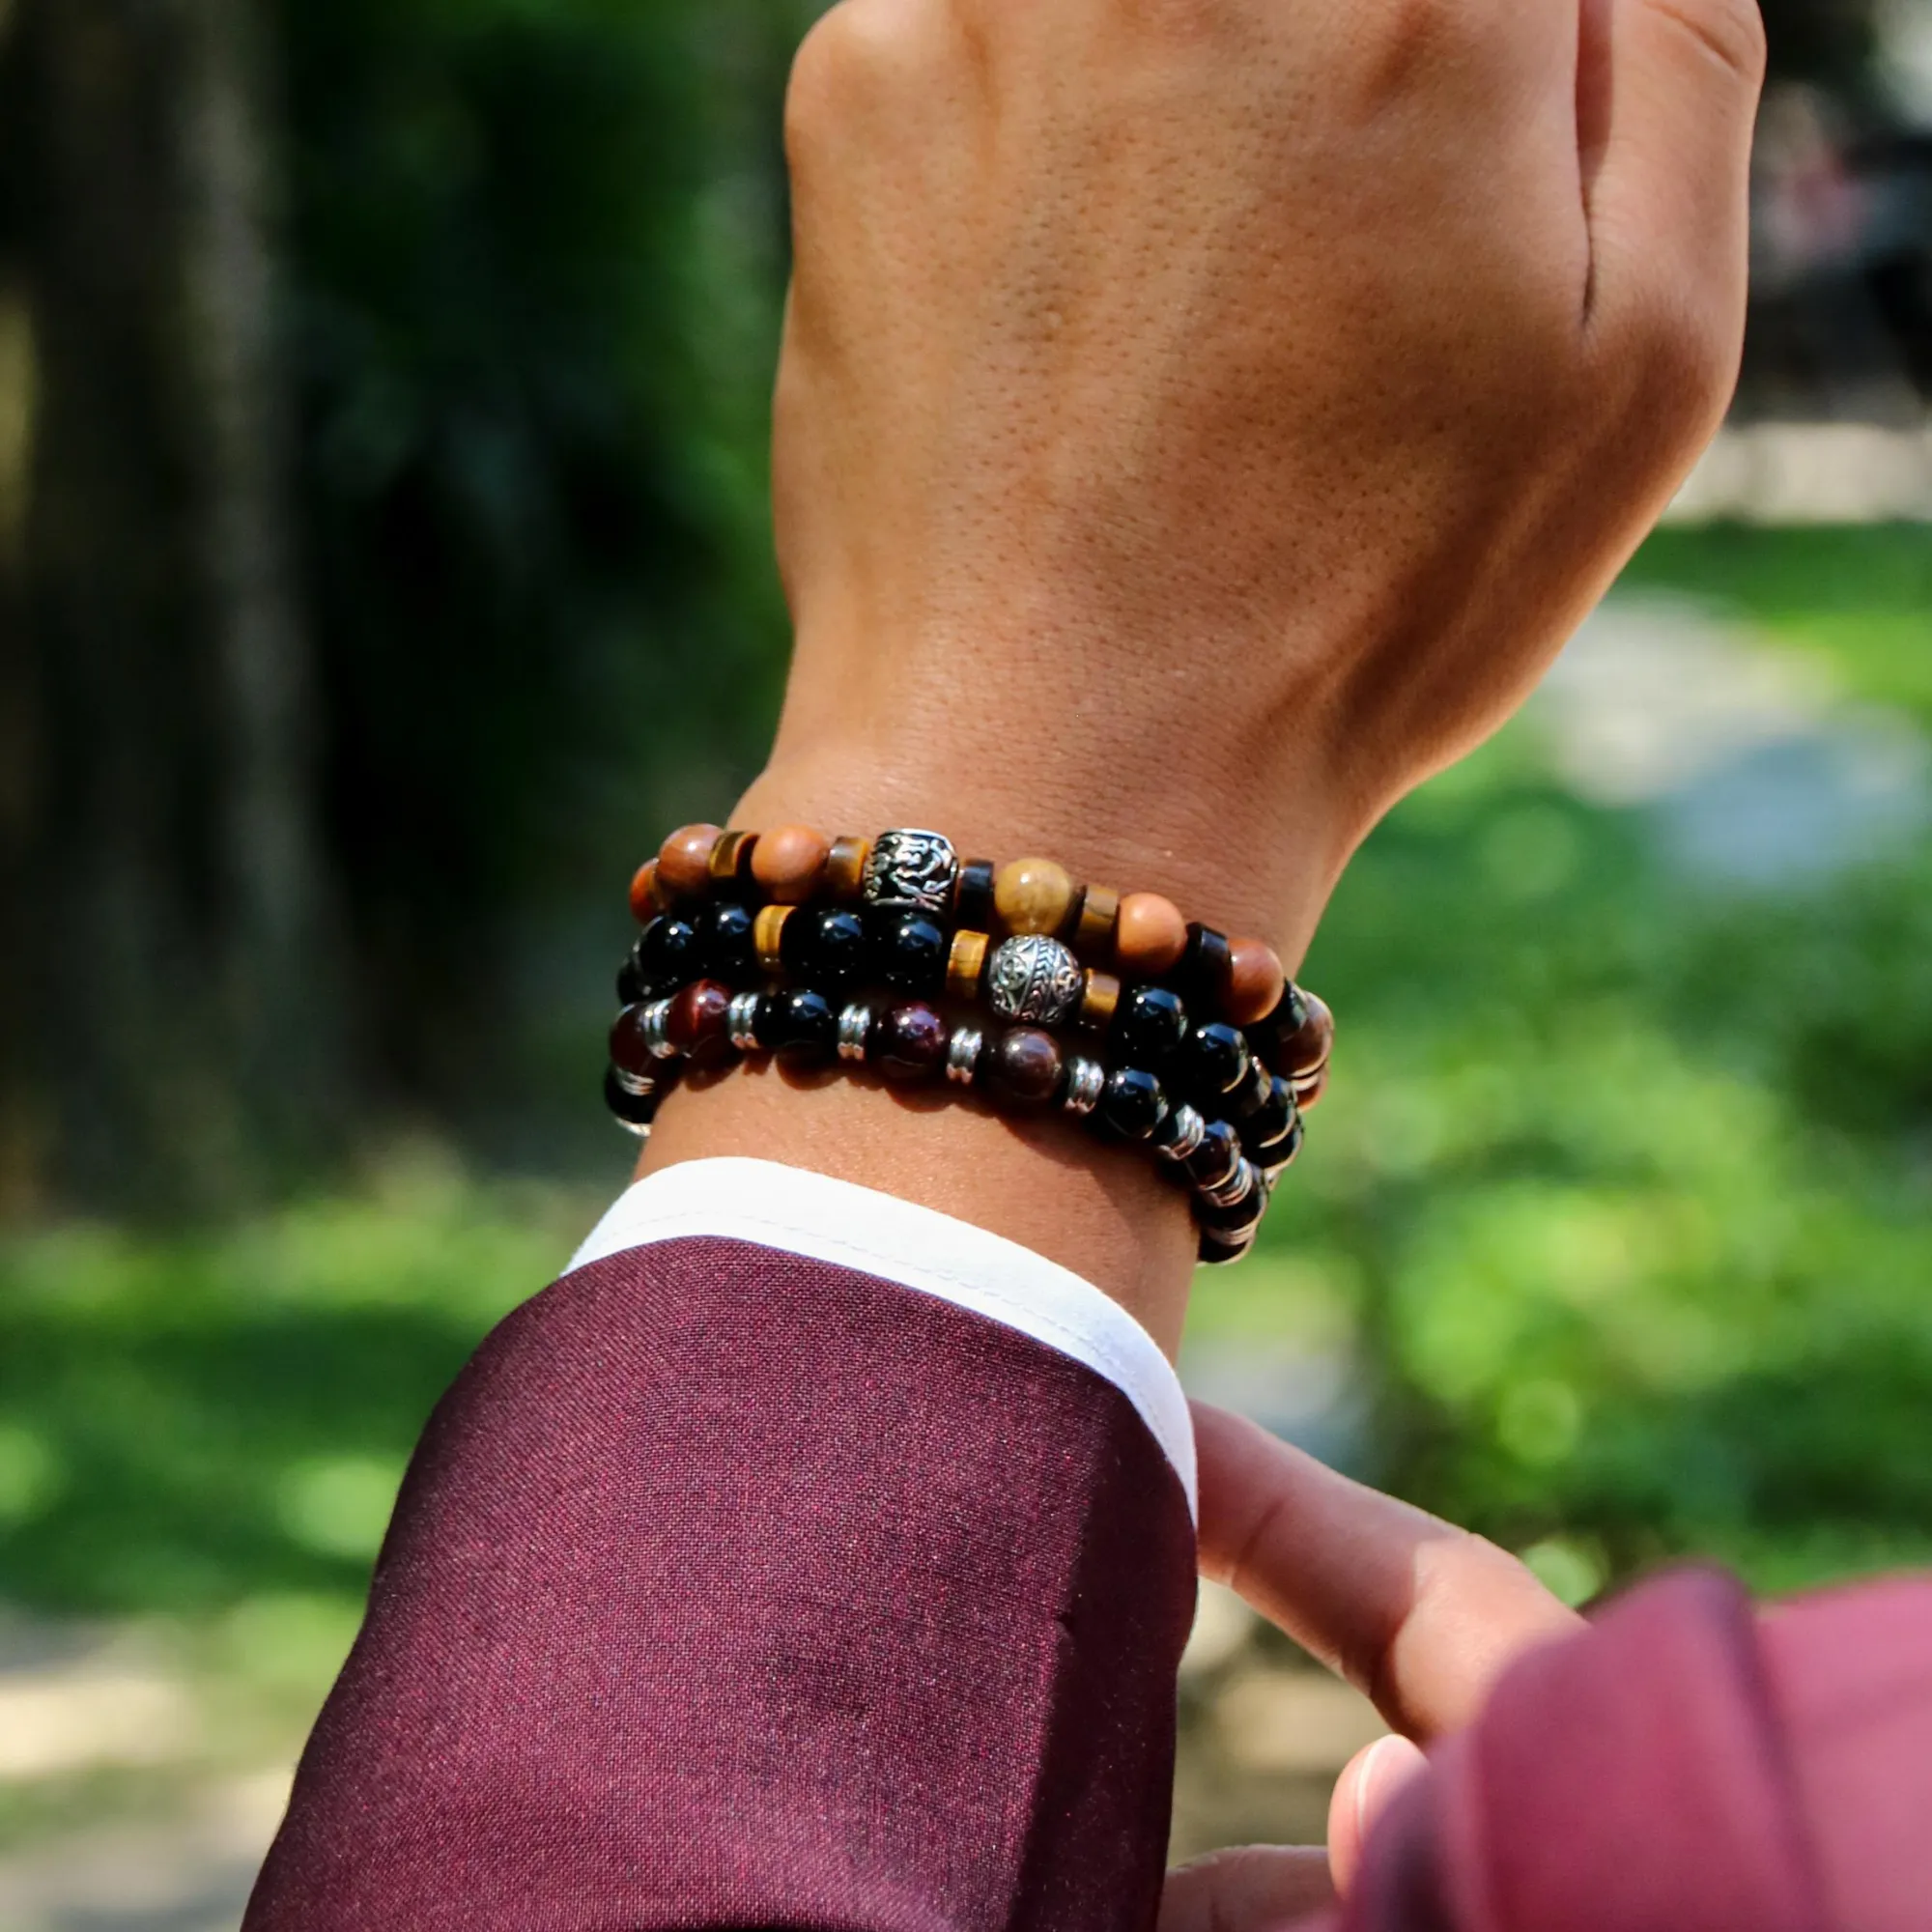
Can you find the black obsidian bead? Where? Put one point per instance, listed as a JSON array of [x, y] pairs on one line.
[[635, 1110], [909, 952], [1285, 1153], [1242, 1217], [973, 896], [1150, 1027], [1219, 1250], [1212, 1163], [671, 953], [1201, 977], [827, 947], [730, 949], [800, 1022], [909, 1042], [632, 985], [1252, 1093], [1211, 1064], [1269, 1036], [1268, 1127], [1132, 1104]]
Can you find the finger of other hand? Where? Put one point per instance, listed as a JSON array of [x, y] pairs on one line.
[[1259, 1889], [1420, 1616]]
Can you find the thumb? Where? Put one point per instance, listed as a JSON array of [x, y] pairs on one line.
[[1368, 1786]]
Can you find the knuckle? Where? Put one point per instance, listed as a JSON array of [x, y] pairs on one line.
[[1729, 32], [849, 57]]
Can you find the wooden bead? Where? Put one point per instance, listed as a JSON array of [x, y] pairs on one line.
[[1307, 1051], [789, 862], [646, 904], [731, 860], [845, 866], [1033, 896], [768, 936], [1024, 1067], [684, 862], [1256, 982], [1099, 918], [1100, 1001], [1309, 1090], [1150, 936], [966, 968]]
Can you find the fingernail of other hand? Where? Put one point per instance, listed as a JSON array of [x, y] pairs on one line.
[[1389, 1765]]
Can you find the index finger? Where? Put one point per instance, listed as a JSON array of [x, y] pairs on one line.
[[1418, 1616]]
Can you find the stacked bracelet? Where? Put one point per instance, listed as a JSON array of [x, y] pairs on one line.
[[776, 944]]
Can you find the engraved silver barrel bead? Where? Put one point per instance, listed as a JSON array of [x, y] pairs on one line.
[[914, 872], [1036, 981]]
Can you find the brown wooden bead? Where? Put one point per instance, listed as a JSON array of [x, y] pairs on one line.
[[1034, 895], [1024, 1067], [1307, 1051], [1100, 1001], [1150, 936], [646, 905], [845, 866], [698, 1023], [684, 862], [1099, 918], [731, 860], [1256, 982], [789, 862], [768, 936], [1309, 1090], [966, 965]]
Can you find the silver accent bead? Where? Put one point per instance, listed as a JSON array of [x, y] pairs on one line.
[[741, 1019], [639, 1085], [914, 870], [1036, 980], [1190, 1131], [642, 1129], [1241, 1185], [962, 1056], [657, 1030], [855, 1028], [1085, 1082], [1226, 1254]]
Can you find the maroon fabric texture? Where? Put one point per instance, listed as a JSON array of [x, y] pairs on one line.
[[731, 1589], [1682, 1768]]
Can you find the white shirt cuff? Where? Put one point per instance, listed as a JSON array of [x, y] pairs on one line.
[[811, 1214]]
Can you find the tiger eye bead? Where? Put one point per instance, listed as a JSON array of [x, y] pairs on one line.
[[644, 904], [1100, 1003], [1149, 936], [731, 857], [684, 862], [789, 861], [845, 866], [909, 1042], [1094, 929], [1256, 982], [1034, 896], [768, 932], [966, 965], [701, 1018], [1024, 1067]]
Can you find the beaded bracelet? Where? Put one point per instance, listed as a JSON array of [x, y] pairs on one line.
[[1231, 1166]]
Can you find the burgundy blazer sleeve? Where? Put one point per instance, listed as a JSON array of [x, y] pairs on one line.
[[1683, 1767], [729, 1588]]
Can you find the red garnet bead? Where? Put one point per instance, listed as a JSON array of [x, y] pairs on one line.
[[909, 1042], [1025, 1068], [1256, 982], [1307, 1051], [684, 862], [699, 1022]]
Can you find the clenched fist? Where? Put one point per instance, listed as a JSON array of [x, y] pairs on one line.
[[1202, 419]]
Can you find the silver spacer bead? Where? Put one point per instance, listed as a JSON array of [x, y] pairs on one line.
[[1241, 1185], [657, 1030], [1085, 1082], [642, 1085], [855, 1028], [1190, 1130], [914, 870], [962, 1056], [741, 1017], [1035, 980], [1225, 1254], [640, 1129]]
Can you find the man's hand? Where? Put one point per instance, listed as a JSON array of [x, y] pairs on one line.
[[1420, 1617], [1202, 419]]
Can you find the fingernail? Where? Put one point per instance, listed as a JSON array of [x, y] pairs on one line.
[[1391, 1763]]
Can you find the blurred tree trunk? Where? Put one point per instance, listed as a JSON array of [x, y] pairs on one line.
[[160, 842]]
